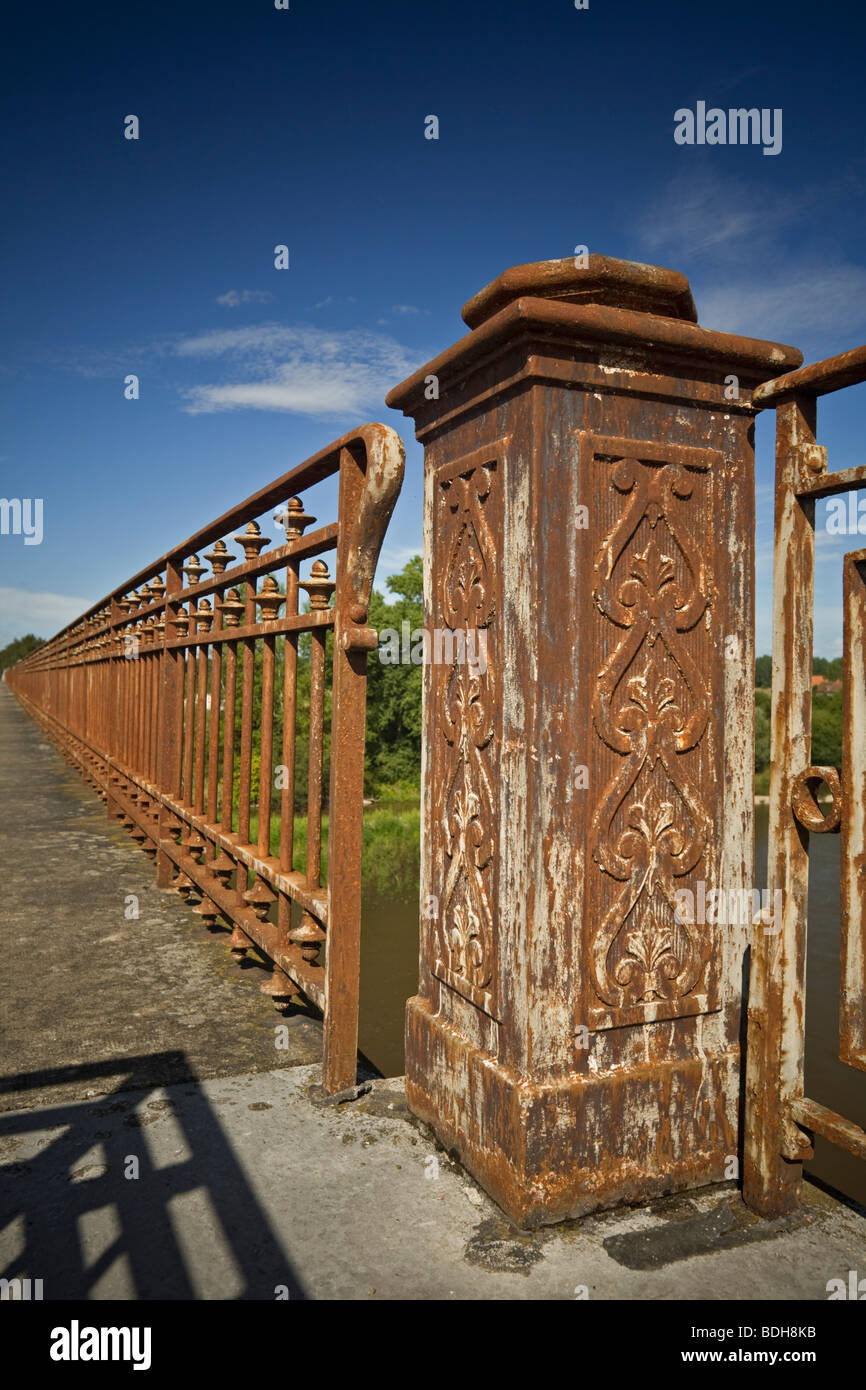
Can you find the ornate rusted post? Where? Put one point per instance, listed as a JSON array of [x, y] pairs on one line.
[[589, 507]]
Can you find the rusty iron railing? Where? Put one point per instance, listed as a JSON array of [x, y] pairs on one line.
[[780, 1118], [175, 696]]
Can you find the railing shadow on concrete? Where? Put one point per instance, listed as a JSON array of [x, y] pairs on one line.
[[187, 1226]]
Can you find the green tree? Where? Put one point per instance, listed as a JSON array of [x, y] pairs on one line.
[[831, 670], [393, 744], [827, 730], [763, 672], [762, 730], [17, 650]]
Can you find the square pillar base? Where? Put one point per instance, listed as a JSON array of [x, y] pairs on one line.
[[554, 1150]]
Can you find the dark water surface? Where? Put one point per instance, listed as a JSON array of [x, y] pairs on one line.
[[389, 975]]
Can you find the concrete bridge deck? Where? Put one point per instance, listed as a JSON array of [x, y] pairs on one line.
[[155, 1143]]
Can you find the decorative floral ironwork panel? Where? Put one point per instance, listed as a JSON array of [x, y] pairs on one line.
[[654, 818], [465, 683]]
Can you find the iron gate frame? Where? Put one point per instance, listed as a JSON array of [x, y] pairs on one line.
[[780, 1119]]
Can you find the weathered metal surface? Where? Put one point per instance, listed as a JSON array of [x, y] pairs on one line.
[[818, 379], [605, 280], [777, 1111], [804, 799], [775, 1052], [817, 1119], [852, 1004], [589, 509], [141, 693]]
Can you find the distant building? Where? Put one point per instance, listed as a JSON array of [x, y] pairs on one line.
[[822, 686]]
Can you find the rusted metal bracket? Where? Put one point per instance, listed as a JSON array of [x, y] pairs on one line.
[[813, 1118], [360, 639], [797, 1142], [383, 478], [814, 457]]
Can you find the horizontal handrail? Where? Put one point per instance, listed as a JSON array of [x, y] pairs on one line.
[[817, 379], [324, 464]]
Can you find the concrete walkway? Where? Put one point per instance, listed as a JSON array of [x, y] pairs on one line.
[[83, 980], [250, 1187], [156, 1143]]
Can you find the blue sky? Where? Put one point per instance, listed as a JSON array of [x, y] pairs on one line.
[[306, 127]]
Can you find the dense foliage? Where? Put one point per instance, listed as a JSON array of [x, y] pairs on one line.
[[826, 721], [394, 691], [827, 729], [763, 672], [830, 670], [17, 650]]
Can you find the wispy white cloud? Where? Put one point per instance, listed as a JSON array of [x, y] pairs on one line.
[[808, 299], [733, 238], [265, 340], [395, 557], [94, 364], [704, 215], [304, 370], [405, 309], [43, 613], [266, 366], [832, 546], [232, 299]]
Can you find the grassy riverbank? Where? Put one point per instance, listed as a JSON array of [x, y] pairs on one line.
[[391, 846]]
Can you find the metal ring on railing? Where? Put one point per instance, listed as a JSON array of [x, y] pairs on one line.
[[804, 800]]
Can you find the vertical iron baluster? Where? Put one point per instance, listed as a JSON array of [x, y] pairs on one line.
[[253, 542], [295, 520], [219, 559], [204, 618], [309, 934], [270, 600]]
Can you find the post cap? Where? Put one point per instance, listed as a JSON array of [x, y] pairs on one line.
[[649, 289]]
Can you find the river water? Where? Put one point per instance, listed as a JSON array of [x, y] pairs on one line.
[[389, 975]]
